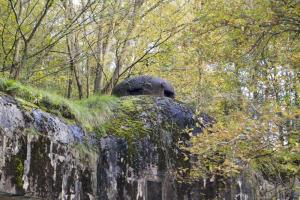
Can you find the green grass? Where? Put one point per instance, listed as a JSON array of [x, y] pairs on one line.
[[94, 111], [89, 113]]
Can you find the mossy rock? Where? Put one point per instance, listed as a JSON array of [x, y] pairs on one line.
[[150, 126], [137, 116]]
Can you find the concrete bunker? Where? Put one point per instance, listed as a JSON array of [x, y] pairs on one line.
[[144, 85]]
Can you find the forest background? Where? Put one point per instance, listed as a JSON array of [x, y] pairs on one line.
[[237, 60]]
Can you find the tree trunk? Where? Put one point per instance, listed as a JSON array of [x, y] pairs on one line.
[[73, 65], [87, 78], [16, 58], [79, 84], [98, 76], [98, 79], [22, 63], [114, 79], [70, 83], [73, 50], [76, 68]]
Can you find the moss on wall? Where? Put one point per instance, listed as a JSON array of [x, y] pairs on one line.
[[89, 113], [18, 168], [137, 117]]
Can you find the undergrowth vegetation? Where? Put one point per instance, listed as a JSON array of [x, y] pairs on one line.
[[89, 113]]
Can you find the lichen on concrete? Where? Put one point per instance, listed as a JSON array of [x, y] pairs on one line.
[[37, 150]]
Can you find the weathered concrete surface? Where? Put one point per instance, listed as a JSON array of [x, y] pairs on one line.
[[38, 156], [44, 156], [140, 156], [144, 85]]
